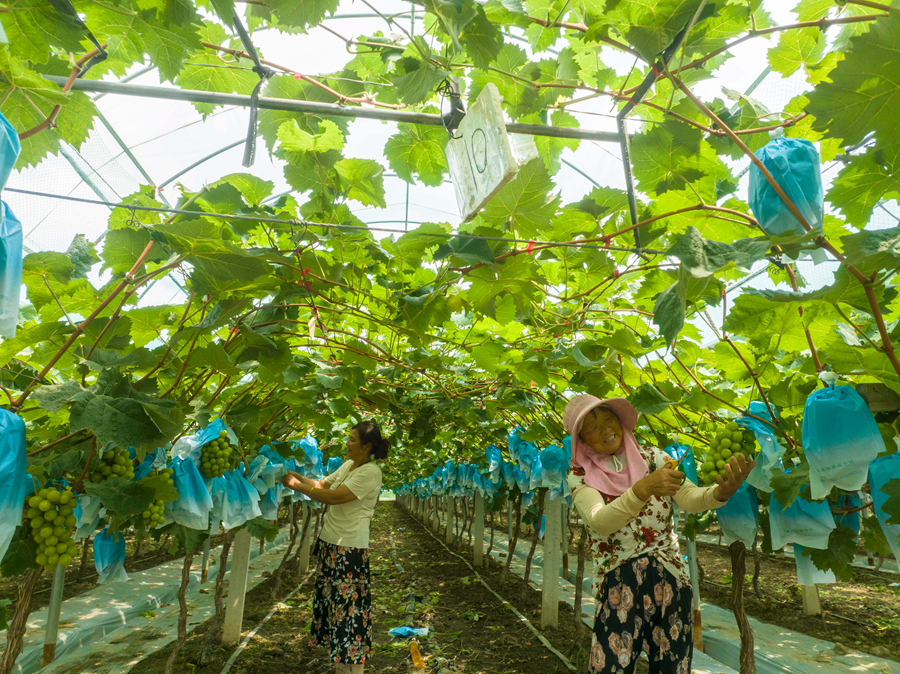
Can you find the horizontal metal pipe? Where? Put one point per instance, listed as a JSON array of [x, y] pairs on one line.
[[193, 96]]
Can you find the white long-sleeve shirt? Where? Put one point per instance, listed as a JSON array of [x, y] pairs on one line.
[[627, 527]]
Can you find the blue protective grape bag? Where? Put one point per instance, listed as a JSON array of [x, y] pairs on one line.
[[109, 557], [840, 438], [739, 517], [13, 480], [882, 470]]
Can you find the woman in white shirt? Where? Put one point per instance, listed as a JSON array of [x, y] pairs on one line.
[[342, 608], [624, 494]]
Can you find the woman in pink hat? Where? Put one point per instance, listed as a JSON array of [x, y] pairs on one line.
[[624, 494]]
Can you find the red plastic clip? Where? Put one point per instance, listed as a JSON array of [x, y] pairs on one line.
[[606, 241], [615, 273], [653, 68], [530, 248], [567, 322]]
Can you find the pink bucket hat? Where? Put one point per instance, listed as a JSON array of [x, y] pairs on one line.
[[578, 407]]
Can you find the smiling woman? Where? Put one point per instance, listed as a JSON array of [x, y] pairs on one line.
[[624, 493], [342, 609]]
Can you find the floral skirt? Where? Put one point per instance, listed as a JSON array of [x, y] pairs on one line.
[[642, 606], [342, 607]]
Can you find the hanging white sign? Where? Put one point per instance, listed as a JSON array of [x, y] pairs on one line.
[[480, 157]]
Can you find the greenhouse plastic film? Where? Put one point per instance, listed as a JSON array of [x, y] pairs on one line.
[[13, 479], [794, 163], [109, 558], [881, 471], [840, 438]]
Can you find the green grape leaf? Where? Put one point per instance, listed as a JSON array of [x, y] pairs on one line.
[[668, 156], [123, 497], [873, 250], [786, 487], [418, 150], [20, 554], [416, 81], [697, 523], [482, 39], [262, 529], [162, 487], [703, 257], [471, 251], [801, 48], [650, 26], [362, 180], [838, 557], [525, 202], [207, 71], [861, 96], [52, 397], [864, 181], [304, 14], [874, 539], [190, 539], [648, 399], [891, 507], [670, 307], [123, 247]]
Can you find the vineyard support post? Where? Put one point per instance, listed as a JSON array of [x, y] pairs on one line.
[[550, 583], [56, 596], [204, 567], [435, 517], [305, 542], [478, 534], [450, 513], [237, 588], [695, 588], [564, 539], [811, 603]]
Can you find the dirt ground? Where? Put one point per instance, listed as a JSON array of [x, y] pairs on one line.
[[470, 631], [862, 614]]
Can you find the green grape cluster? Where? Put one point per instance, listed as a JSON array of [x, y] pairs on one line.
[[216, 456], [153, 516], [50, 514], [115, 462], [729, 441]]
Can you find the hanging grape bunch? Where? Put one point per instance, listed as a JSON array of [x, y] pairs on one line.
[[154, 515], [215, 458], [51, 516], [729, 441], [114, 462]]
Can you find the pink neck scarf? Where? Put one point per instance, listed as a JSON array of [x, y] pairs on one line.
[[598, 468]]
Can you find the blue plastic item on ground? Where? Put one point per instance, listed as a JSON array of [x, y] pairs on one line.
[[840, 439], [194, 502], [881, 471], [794, 163], [10, 270], [407, 631], [13, 479], [739, 518], [109, 558]]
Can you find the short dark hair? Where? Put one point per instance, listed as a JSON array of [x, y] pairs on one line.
[[370, 434]]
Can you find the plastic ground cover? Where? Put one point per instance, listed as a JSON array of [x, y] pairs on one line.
[[91, 616]]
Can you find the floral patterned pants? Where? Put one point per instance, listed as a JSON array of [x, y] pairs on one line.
[[342, 607], [641, 606]]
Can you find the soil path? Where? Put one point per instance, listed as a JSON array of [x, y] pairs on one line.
[[470, 631]]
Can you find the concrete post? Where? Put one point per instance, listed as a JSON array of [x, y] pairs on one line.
[[478, 530], [810, 596], [237, 589], [56, 597], [448, 504], [550, 582]]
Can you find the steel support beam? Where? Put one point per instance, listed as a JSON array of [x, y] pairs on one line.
[[324, 109]]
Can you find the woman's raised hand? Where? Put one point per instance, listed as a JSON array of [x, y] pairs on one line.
[[662, 482], [736, 471]]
